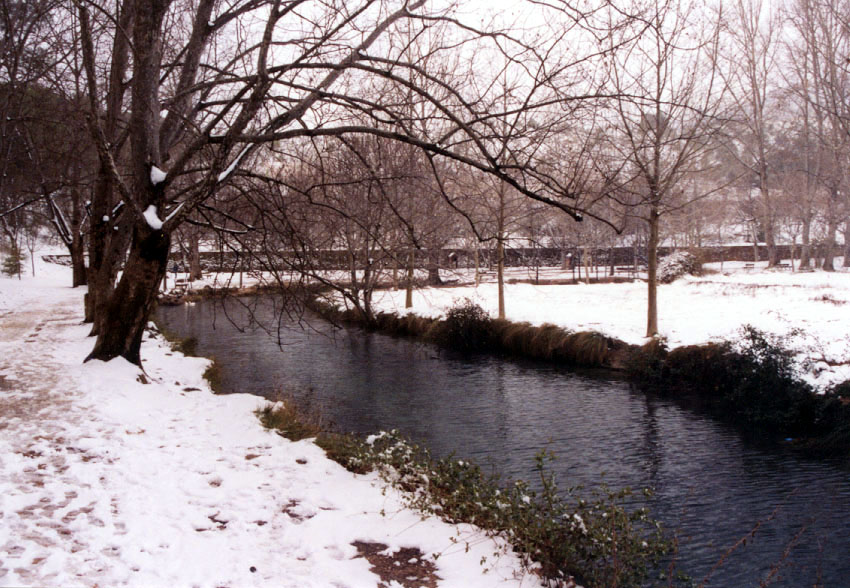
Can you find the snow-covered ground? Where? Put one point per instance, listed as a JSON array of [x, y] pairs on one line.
[[110, 477], [811, 308]]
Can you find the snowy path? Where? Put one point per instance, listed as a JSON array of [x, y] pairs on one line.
[[107, 480]]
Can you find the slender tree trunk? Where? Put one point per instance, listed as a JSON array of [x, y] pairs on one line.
[[500, 273], [756, 257], [477, 266], [368, 315], [133, 300], [846, 244], [408, 295], [652, 274], [806, 246], [396, 284], [587, 260], [793, 251]]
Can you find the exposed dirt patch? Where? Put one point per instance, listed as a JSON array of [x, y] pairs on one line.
[[405, 566]]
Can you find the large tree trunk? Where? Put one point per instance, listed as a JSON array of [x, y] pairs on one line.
[[99, 284], [132, 301], [652, 274], [103, 271], [755, 242], [77, 244], [770, 242], [832, 223], [78, 261], [846, 244], [434, 268], [829, 246]]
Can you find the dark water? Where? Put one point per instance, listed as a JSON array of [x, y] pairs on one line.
[[711, 485]]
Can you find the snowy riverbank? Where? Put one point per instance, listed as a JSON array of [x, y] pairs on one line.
[[111, 477], [811, 310]]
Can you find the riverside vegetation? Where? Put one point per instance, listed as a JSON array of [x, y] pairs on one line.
[[563, 534], [751, 383]]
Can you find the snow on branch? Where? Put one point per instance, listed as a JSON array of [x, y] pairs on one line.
[[234, 164]]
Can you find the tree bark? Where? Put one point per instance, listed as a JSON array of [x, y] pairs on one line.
[[408, 294], [500, 274], [755, 242], [846, 244], [195, 270], [829, 246], [652, 274], [133, 300], [78, 261], [806, 246], [434, 268]]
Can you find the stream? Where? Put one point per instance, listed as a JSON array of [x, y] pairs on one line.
[[712, 485]]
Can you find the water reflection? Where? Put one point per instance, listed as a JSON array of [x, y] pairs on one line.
[[710, 485]]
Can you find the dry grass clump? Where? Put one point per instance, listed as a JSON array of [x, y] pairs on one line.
[[290, 420], [550, 342], [514, 338], [411, 325], [587, 348], [549, 339]]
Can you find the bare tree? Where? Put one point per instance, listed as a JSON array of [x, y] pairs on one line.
[[823, 39], [663, 122], [750, 66], [183, 95]]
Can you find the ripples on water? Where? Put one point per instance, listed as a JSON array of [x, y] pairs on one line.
[[711, 486]]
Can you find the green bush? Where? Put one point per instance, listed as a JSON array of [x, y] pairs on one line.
[[840, 390], [467, 327], [676, 265], [752, 383], [644, 365], [596, 540]]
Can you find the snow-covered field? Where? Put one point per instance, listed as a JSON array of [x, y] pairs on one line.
[[812, 309], [110, 477]]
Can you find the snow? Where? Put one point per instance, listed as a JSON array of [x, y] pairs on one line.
[[151, 217], [234, 164], [175, 211], [157, 175], [108, 480], [812, 309]]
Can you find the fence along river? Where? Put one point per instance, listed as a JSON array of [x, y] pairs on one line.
[[712, 485]]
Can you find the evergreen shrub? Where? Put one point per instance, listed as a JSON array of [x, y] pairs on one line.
[[467, 327], [677, 264]]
